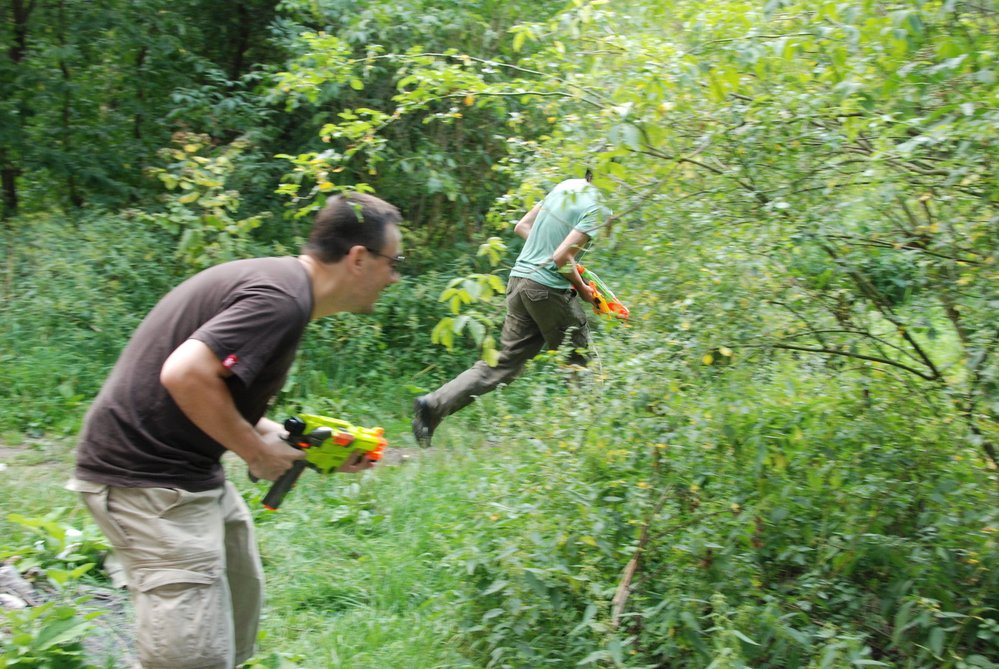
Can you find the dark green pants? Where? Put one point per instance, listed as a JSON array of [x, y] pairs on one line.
[[537, 317]]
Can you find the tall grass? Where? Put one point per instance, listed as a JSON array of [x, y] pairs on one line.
[[354, 565]]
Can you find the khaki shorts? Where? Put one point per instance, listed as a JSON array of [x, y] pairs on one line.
[[191, 563]]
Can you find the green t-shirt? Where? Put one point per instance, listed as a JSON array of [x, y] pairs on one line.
[[573, 204]]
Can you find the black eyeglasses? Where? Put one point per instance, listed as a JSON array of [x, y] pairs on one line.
[[394, 261]]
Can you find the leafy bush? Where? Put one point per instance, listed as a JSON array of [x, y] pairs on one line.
[[62, 551], [771, 522], [47, 636]]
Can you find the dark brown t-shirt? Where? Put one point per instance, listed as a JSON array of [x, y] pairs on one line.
[[252, 314]]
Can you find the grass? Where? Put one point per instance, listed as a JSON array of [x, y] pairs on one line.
[[33, 476], [352, 562], [353, 565], [503, 544]]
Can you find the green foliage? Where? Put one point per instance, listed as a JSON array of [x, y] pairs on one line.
[[62, 551], [770, 528], [407, 121], [785, 459], [201, 213], [355, 360], [49, 636], [478, 291], [76, 287], [91, 91], [820, 184]]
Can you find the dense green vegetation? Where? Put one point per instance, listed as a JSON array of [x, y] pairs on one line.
[[787, 458]]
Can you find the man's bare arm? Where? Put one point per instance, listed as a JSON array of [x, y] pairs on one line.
[[565, 260], [526, 224], [195, 379]]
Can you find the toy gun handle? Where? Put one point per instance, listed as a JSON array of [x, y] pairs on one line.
[[281, 487], [599, 303], [604, 300], [296, 438]]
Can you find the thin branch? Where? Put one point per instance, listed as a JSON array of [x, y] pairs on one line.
[[908, 245], [623, 590], [517, 94], [848, 354], [862, 333]]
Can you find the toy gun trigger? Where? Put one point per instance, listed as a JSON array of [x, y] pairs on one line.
[[302, 442], [295, 427]]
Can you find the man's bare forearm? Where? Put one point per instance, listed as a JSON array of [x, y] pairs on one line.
[[195, 379]]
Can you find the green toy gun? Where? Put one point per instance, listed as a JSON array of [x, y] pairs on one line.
[[604, 300], [327, 443]]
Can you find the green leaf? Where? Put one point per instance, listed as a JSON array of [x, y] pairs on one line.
[[477, 330], [744, 638], [60, 632], [489, 353], [936, 640], [495, 587], [492, 613]]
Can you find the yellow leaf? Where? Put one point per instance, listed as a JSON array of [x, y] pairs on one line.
[[727, 352], [469, 100], [518, 40]]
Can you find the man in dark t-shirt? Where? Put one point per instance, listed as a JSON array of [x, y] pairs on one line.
[[192, 383]]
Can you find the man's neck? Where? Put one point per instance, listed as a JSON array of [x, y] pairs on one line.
[[325, 282]]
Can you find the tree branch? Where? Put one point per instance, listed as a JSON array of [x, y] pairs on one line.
[[849, 354]]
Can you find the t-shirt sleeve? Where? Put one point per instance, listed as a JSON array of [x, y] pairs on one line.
[[590, 222], [593, 215], [251, 330]]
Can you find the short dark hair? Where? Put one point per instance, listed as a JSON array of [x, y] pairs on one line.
[[349, 220]]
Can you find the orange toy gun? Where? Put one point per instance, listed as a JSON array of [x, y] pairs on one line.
[[604, 300], [327, 443]]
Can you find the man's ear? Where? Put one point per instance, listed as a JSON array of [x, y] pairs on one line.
[[355, 258]]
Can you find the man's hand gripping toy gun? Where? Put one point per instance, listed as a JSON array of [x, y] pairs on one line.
[[604, 300], [327, 443]]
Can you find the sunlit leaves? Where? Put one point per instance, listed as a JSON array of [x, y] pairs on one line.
[[325, 62], [199, 209]]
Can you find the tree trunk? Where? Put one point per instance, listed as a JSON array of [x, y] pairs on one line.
[[9, 171]]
